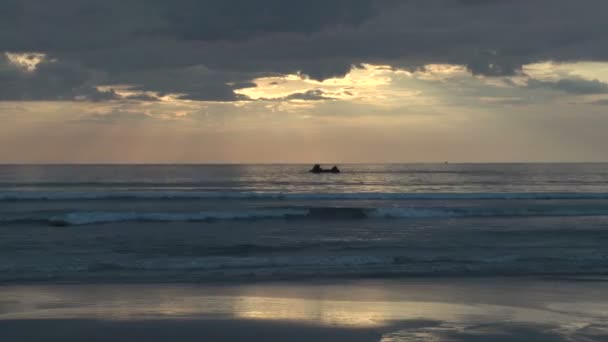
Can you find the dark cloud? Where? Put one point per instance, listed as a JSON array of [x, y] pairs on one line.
[[191, 83], [142, 97], [218, 93], [92, 94], [310, 95], [488, 65], [94, 24], [241, 19], [50, 81], [577, 86], [10, 11], [155, 44]]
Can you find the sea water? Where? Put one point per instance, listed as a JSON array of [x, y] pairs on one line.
[[262, 222]]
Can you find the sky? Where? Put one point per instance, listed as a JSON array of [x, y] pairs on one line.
[[283, 81]]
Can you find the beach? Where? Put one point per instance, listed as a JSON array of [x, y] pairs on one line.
[[490, 309]]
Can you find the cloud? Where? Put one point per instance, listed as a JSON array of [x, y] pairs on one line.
[[578, 86], [198, 48], [56, 80], [142, 97], [241, 19], [197, 83], [61, 25], [310, 95], [50, 80]]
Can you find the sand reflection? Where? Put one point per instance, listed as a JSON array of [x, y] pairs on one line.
[[350, 306]]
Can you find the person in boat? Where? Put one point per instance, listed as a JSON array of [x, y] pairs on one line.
[[318, 169]]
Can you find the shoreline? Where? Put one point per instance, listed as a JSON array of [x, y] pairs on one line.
[[312, 280], [365, 310]]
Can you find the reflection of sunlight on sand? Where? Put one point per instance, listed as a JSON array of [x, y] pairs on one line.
[[350, 313], [368, 314], [437, 310], [166, 303]]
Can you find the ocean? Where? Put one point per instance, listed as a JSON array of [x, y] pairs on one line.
[[191, 223]]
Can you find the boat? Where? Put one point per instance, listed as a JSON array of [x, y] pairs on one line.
[[318, 169]]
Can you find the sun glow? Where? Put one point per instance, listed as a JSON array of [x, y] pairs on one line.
[[28, 61], [365, 83]]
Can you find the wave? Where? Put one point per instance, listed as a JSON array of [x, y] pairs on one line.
[[84, 218], [268, 267], [78, 218], [235, 195], [397, 213]]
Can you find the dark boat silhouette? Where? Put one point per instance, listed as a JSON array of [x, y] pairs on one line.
[[318, 169]]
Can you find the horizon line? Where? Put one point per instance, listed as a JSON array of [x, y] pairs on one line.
[[287, 163]]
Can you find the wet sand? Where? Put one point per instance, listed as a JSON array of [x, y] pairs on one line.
[[371, 310]]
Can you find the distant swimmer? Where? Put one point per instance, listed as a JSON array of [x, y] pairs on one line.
[[318, 169]]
